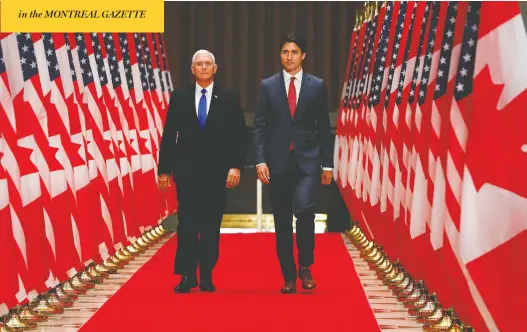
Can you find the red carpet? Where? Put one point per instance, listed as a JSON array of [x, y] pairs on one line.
[[248, 281]]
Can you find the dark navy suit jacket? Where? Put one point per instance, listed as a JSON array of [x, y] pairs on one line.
[[186, 149], [309, 130]]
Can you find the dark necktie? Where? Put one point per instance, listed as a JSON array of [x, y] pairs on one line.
[[291, 97], [202, 109]]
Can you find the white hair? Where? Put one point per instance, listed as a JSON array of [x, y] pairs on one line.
[[203, 52]]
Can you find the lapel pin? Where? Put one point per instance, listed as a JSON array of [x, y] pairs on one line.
[[215, 96]]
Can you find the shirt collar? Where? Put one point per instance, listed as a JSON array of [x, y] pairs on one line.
[[209, 89], [298, 76]]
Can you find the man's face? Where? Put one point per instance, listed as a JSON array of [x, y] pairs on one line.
[[203, 67], [291, 56]]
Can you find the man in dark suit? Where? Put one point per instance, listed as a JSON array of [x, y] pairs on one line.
[[292, 141], [203, 149]]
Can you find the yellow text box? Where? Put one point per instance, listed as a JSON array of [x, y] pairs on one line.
[[82, 16]]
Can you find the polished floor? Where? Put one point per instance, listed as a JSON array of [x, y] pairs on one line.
[[390, 314], [84, 308]]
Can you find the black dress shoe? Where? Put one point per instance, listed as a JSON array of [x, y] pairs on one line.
[[289, 287], [186, 284], [207, 286], [304, 273]]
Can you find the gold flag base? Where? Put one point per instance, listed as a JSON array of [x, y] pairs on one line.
[[43, 307], [413, 294], [4, 328], [29, 315], [15, 322]]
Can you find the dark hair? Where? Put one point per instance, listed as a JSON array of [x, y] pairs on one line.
[[292, 37]]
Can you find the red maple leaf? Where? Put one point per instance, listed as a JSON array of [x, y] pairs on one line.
[[106, 149], [132, 150], [73, 112], [141, 142], [121, 152], [56, 125], [497, 141], [74, 156], [23, 159], [30, 124], [50, 155], [89, 156]]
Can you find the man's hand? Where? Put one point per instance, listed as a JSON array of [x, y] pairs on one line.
[[263, 173], [164, 181], [326, 177], [233, 178]]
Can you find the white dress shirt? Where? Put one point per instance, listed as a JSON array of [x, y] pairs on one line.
[[208, 94], [297, 83]]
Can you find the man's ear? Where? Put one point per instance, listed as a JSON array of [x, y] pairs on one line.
[[304, 56]]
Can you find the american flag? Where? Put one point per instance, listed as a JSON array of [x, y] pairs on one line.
[[387, 172], [415, 228], [375, 113], [166, 70], [71, 157], [341, 150], [362, 95], [420, 208], [400, 50], [399, 108], [457, 151]]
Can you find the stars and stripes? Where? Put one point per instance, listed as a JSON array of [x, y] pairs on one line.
[[401, 16], [2, 62], [139, 50], [28, 60], [359, 85], [156, 61], [99, 58], [70, 58], [166, 72], [51, 56], [447, 47], [404, 65], [123, 41], [112, 60], [84, 60], [467, 58], [427, 68], [351, 76], [380, 61]]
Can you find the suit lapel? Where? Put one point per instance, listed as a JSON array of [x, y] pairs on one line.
[[304, 92], [192, 96], [280, 85], [192, 105], [213, 104]]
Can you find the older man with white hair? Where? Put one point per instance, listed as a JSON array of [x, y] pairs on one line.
[[203, 149]]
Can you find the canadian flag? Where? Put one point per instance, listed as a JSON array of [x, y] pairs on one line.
[[341, 150], [8, 277], [143, 105], [493, 228]]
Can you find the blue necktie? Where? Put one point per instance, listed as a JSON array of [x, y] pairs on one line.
[[202, 109]]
